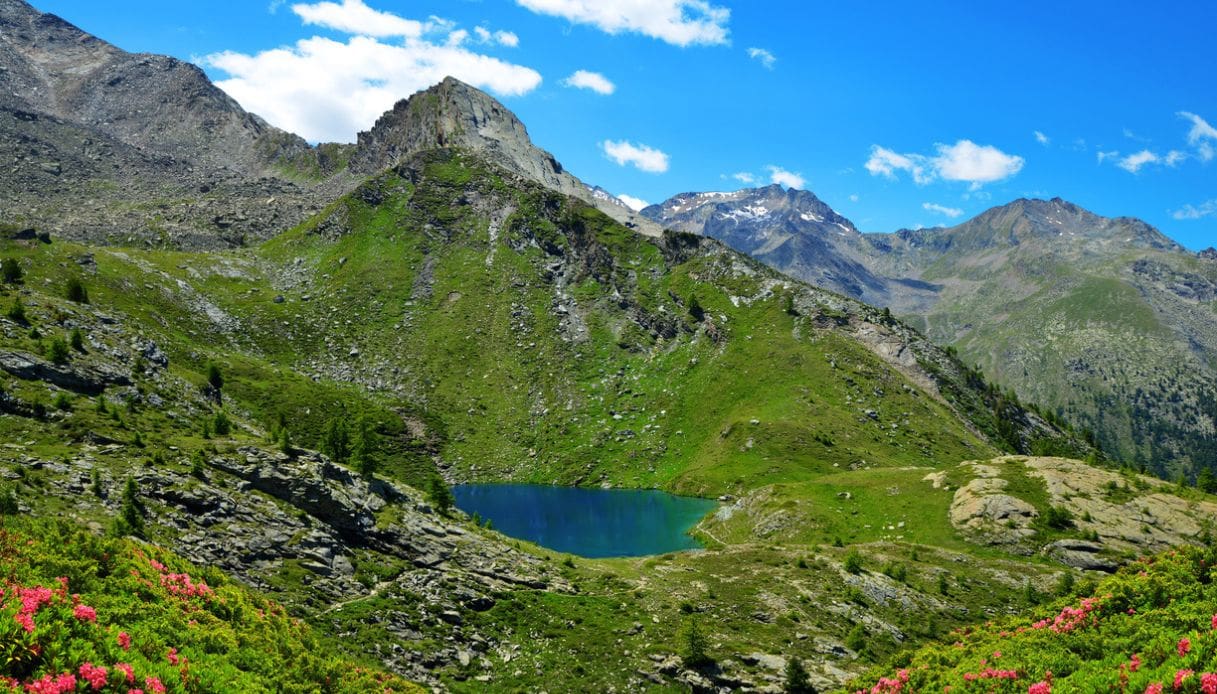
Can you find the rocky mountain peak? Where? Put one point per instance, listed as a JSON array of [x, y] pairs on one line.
[[1056, 220], [451, 114], [455, 114], [157, 104]]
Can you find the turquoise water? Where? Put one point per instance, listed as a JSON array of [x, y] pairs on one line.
[[588, 522]]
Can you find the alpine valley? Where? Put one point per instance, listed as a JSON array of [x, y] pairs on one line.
[[239, 371]]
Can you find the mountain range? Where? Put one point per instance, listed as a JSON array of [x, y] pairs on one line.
[[270, 358], [1107, 322]]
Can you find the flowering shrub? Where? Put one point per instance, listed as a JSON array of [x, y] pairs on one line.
[[1150, 628], [142, 621]]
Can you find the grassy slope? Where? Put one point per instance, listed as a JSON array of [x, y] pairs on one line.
[[1086, 340], [191, 630]]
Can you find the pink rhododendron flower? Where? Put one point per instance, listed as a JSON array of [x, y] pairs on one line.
[[1154, 688], [1208, 683], [154, 685], [95, 675], [1185, 645], [85, 613], [124, 640], [127, 670], [53, 685], [1180, 677], [1040, 688], [171, 656], [26, 621]]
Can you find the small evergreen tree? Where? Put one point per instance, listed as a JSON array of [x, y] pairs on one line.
[[222, 425], [336, 443], [441, 495], [694, 652], [130, 520], [856, 640], [77, 340], [215, 378], [789, 306], [943, 586], [11, 271], [62, 402], [285, 441], [206, 429], [56, 350], [197, 463], [797, 679], [363, 448], [8, 502], [76, 291], [16, 312], [1206, 481], [853, 563], [96, 484]]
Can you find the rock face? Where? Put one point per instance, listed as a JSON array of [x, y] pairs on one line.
[[454, 114], [89, 380], [983, 510], [254, 512], [152, 102], [1114, 516]]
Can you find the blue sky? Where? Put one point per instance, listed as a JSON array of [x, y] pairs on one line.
[[897, 114]]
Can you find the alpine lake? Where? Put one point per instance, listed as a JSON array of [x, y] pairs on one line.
[[588, 522]]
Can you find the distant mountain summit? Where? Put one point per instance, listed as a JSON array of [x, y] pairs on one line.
[[789, 229]]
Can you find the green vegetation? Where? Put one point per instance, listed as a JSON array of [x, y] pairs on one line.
[[1151, 627], [108, 612], [75, 290]]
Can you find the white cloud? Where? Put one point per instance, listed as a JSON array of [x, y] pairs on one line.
[[643, 158], [326, 90], [783, 177], [678, 22], [1202, 136], [963, 161], [1173, 158], [744, 177], [765, 57], [976, 164], [1103, 156], [584, 79], [1204, 209], [1042, 138], [951, 212], [354, 17], [1133, 162], [503, 38], [632, 202], [853, 198], [885, 162]]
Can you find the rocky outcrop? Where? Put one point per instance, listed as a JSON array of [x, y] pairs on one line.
[[79, 378], [984, 512], [1114, 516]]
